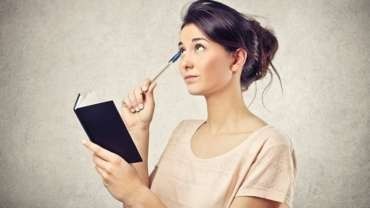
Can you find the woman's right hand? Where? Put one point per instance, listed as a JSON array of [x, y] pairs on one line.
[[138, 107]]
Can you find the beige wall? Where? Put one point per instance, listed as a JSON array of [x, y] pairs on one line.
[[51, 50]]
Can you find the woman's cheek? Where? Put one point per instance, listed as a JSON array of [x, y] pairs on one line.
[[209, 79]]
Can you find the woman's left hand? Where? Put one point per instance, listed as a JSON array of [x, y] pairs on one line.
[[119, 177]]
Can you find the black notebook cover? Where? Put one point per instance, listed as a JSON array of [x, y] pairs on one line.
[[105, 127]]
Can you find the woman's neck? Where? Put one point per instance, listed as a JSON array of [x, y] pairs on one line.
[[226, 110]]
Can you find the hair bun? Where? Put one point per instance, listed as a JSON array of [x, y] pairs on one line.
[[266, 48], [234, 30]]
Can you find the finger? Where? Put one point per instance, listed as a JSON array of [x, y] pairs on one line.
[[103, 174], [146, 84], [149, 93], [132, 99], [88, 149], [139, 99], [102, 164], [101, 152], [123, 112], [127, 105], [152, 86]]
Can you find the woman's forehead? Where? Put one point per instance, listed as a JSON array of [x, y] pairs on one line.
[[191, 31]]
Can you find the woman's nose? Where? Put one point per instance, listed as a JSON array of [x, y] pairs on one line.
[[186, 61]]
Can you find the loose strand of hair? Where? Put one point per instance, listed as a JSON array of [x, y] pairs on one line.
[[268, 87], [255, 93], [270, 82], [277, 74]]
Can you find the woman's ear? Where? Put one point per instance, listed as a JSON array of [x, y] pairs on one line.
[[239, 58]]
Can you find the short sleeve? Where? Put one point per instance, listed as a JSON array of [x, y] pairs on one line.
[[272, 175], [170, 141]]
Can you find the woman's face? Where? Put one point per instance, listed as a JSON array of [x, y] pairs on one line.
[[207, 61]]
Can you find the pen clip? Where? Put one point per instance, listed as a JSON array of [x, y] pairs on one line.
[[176, 56]]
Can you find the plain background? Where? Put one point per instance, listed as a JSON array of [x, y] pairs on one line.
[[51, 50]]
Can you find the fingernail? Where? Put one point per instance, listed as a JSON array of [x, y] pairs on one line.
[[141, 106], [132, 110], [137, 109]]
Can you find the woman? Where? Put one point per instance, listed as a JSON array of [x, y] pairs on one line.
[[231, 159]]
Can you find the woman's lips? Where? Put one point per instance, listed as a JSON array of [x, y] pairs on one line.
[[191, 78]]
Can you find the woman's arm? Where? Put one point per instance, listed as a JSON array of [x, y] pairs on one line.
[[145, 198], [141, 140], [121, 179], [137, 113]]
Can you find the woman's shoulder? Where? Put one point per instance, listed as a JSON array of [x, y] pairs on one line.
[[274, 136], [183, 127], [188, 123]]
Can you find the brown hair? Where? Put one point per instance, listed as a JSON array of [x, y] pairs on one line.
[[234, 30]]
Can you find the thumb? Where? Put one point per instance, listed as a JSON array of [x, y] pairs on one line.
[[149, 92]]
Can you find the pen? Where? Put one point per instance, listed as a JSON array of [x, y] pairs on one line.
[[171, 61]]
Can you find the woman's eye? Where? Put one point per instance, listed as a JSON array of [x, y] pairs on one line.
[[182, 52], [198, 46]]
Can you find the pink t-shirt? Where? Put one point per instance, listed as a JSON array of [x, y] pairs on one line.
[[263, 165]]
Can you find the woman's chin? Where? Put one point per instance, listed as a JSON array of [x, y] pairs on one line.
[[194, 87], [194, 91]]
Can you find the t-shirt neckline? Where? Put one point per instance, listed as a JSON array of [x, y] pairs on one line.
[[199, 123]]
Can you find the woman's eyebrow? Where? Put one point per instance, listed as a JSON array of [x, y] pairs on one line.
[[193, 40]]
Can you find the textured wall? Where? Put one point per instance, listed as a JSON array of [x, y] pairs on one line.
[[51, 50]]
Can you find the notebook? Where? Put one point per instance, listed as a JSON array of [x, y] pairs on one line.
[[105, 127]]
